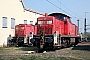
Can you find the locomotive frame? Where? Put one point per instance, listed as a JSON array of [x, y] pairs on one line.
[[54, 39]]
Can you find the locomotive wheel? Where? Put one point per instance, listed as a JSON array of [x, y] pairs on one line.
[[74, 45], [67, 43]]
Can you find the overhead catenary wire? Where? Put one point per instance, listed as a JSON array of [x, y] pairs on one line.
[[65, 6], [61, 9], [72, 11], [80, 19], [57, 6]]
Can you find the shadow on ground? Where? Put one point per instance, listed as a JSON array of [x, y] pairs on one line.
[[82, 47], [29, 48]]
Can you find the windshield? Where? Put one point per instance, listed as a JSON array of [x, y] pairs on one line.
[[45, 22]]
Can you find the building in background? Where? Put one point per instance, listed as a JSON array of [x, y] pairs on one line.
[[13, 12]]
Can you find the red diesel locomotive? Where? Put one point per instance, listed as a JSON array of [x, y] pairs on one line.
[[55, 30], [23, 33]]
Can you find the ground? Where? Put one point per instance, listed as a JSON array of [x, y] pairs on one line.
[[80, 52]]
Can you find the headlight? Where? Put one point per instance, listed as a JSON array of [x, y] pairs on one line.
[[17, 28]]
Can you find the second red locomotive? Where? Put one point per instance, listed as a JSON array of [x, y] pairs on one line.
[[23, 34]]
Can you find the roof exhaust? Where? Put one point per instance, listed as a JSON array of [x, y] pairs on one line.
[[46, 14]]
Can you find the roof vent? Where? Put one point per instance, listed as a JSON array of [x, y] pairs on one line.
[[46, 14]]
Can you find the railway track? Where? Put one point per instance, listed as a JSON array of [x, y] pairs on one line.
[[82, 50], [85, 43]]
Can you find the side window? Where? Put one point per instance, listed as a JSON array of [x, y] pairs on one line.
[[61, 17], [4, 22], [31, 22], [69, 20], [64, 18], [12, 23], [25, 21]]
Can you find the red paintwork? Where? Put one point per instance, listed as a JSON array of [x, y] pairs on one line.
[[35, 29], [24, 29], [76, 30], [57, 24], [70, 28]]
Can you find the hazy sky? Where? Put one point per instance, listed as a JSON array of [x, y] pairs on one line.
[[74, 8]]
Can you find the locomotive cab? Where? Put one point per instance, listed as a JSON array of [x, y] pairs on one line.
[[45, 24]]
